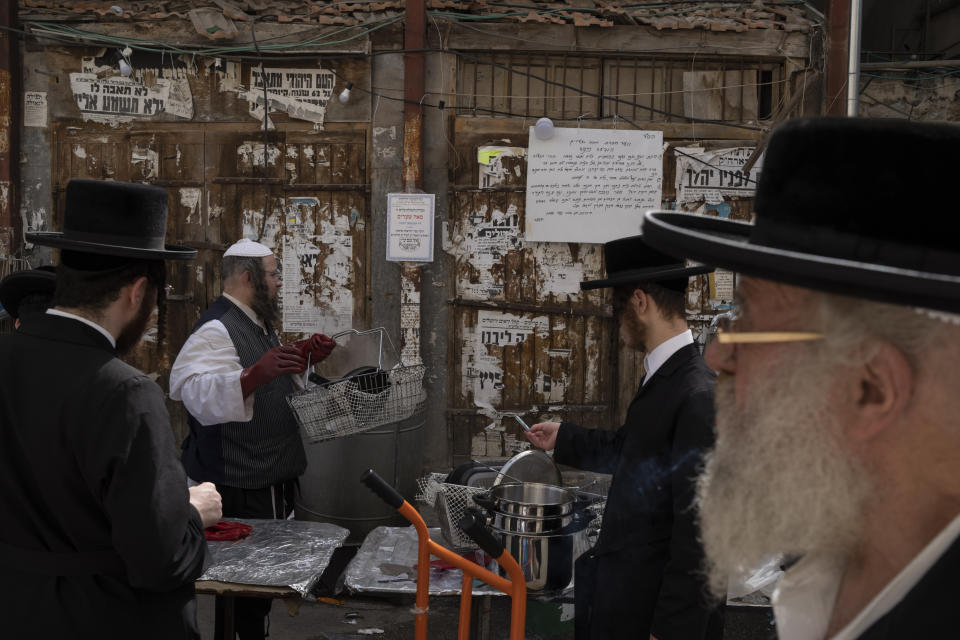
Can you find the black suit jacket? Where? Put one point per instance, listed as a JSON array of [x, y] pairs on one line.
[[98, 537], [929, 610], [644, 574]]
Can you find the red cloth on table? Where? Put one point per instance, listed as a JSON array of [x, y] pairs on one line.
[[226, 530]]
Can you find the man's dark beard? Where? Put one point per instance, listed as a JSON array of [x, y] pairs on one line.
[[263, 305], [131, 334]]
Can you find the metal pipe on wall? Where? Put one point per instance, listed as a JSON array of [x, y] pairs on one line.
[[414, 89], [853, 61]]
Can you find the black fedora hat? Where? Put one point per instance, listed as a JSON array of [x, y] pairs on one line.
[[845, 205], [21, 284], [633, 261], [114, 218]]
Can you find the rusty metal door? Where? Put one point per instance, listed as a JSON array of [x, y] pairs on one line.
[[525, 339]]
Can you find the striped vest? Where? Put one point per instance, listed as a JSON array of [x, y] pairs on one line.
[[255, 454]]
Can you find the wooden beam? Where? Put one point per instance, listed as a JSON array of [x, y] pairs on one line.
[[625, 39], [671, 130]]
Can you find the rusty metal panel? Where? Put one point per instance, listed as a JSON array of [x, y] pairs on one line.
[[524, 338]]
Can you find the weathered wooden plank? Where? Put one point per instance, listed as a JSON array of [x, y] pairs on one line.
[[676, 130], [621, 39]]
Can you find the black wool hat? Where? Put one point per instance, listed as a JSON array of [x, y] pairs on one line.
[[114, 218], [22, 284], [633, 261], [850, 206]]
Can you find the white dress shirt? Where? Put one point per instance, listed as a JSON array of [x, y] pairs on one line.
[[662, 352], [803, 601], [206, 374], [90, 323]]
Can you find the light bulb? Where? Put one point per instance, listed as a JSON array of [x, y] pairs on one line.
[[543, 129], [127, 52], [345, 94]]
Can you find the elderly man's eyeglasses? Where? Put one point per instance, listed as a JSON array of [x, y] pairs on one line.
[[724, 330]]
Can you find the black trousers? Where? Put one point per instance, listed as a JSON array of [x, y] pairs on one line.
[[251, 615]]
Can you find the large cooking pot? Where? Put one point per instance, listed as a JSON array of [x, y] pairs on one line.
[[529, 500], [547, 559]]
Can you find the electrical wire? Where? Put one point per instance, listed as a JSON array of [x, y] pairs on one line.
[[151, 45], [601, 97], [676, 150]]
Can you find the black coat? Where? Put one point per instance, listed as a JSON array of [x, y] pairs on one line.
[[644, 574], [98, 537], [929, 610]]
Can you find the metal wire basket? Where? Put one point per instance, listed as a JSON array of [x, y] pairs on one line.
[[359, 402], [450, 502]]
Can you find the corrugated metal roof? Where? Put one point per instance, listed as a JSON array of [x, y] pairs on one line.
[[719, 15]]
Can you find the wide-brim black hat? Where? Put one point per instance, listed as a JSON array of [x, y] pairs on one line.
[[17, 286], [633, 261], [114, 218], [850, 206]]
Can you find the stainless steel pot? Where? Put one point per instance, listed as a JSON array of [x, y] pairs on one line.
[[517, 524], [547, 560], [531, 500]]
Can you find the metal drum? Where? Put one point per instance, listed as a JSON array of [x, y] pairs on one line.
[[329, 491]]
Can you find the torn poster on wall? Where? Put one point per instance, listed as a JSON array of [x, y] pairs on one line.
[[317, 270], [300, 93], [479, 244], [117, 99], [501, 165], [483, 370], [721, 293], [592, 185], [712, 175], [503, 329]]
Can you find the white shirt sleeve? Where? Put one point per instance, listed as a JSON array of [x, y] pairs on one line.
[[206, 377]]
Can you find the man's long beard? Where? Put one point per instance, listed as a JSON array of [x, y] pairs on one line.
[[264, 305], [131, 334], [778, 482]]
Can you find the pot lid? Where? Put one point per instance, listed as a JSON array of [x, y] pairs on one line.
[[532, 465]]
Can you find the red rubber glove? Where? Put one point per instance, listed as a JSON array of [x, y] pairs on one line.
[[271, 365], [318, 346]]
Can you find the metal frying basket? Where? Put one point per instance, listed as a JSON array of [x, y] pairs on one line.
[[451, 502], [359, 402]]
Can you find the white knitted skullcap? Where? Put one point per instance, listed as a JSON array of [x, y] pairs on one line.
[[246, 248]]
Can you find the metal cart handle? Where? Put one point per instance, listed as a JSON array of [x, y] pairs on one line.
[[379, 486], [473, 525]]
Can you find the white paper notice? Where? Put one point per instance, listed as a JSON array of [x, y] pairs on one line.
[[592, 185], [711, 175], [35, 109], [410, 227]]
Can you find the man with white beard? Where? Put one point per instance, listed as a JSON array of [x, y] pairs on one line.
[[837, 436]]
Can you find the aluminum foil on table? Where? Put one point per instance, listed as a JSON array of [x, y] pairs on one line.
[[277, 553], [385, 564]]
